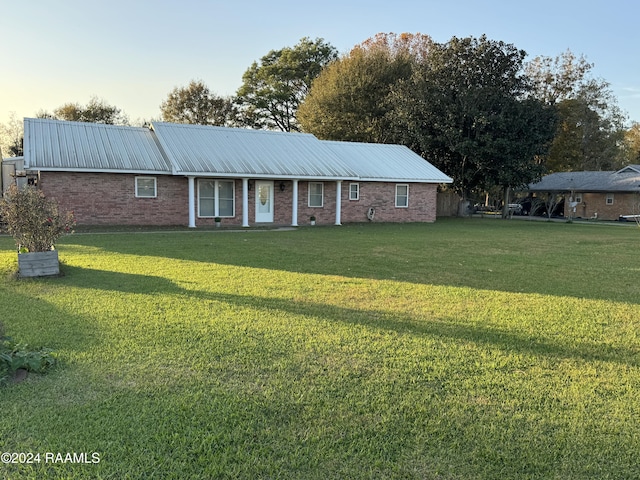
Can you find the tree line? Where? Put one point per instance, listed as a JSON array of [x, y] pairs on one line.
[[474, 107]]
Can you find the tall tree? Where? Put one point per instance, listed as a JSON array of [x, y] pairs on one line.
[[273, 88], [590, 130], [556, 79], [12, 137], [465, 111], [350, 98], [632, 144], [196, 104], [96, 111]]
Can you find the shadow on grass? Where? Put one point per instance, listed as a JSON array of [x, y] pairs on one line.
[[521, 257], [445, 328], [54, 327]]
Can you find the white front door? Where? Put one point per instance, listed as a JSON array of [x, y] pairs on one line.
[[264, 202]]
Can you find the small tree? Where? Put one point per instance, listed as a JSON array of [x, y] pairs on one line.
[[33, 220]]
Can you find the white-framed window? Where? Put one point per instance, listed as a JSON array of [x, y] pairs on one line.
[[402, 195], [216, 198], [146, 187], [609, 199], [316, 194], [578, 198], [354, 191]]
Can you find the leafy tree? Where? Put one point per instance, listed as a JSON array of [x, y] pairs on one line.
[[632, 144], [350, 98], [96, 111], [12, 137], [556, 79], [585, 140], [590, 130], [273, 89], [196, 104], [465, 110]]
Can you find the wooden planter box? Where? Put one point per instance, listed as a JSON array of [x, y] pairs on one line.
[[38, 264]]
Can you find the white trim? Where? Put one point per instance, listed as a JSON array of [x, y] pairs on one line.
[[155, 187], [609, 199], [276, 176], [102, 170], [321, 195], [357, 192], [216, 198], [407, 195]]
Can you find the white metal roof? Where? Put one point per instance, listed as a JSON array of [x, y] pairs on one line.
[[382, 162], [77, 146], [199, 149]]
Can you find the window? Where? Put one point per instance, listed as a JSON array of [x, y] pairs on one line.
[[226, 196], [146, 187], [216, 198], [402, 196], [354, 191], [609, 199], [578, 198], [316, 194]]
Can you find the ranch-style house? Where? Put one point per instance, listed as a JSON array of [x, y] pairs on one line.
[[193, 175], [605, 195]]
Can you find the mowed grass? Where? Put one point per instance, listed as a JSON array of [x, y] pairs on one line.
[[464, 349]]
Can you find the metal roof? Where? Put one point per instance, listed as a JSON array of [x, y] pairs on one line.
[[77, 146], [199, 149], [625, 180], [383, 162], [630, 168]]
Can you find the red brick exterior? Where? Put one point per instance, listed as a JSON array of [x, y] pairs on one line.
[[109, 199], [592, 203]]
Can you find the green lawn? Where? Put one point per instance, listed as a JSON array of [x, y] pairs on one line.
[[464, 349]]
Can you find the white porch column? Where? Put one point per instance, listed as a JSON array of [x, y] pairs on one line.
[[294, 204], [245, 202], [192, 202], [338, 201]]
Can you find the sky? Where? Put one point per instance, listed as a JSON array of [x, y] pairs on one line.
[[132, 53]]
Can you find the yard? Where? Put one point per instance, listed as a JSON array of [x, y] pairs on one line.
[[464, 349]]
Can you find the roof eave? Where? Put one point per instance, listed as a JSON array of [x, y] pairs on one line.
[[98, 170]]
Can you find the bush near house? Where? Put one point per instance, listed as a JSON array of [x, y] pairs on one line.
[[32, 219]]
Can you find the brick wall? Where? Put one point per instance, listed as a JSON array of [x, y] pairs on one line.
[[109, 199], [380, 195], [592, 203]]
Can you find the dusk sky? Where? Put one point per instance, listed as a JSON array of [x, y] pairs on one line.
[[133, 53]]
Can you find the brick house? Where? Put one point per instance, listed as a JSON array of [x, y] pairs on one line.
[[170, 174], [607, 195]]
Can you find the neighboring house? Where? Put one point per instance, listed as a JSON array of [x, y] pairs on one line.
[[597, 195], [171, 174]]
